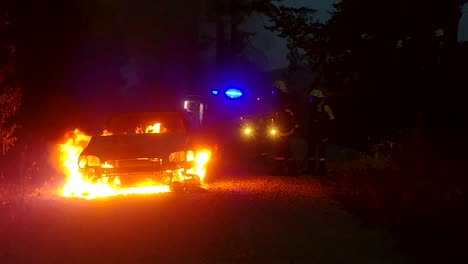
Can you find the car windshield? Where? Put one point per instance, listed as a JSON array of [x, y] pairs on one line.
[[146, 122]]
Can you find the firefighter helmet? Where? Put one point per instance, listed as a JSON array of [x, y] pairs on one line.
[[317, 93], [280, 85]]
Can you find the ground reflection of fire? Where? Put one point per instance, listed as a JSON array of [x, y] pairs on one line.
[[77, 186]]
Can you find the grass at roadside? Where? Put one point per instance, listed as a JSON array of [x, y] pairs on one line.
[[424, 204], [14, 193]]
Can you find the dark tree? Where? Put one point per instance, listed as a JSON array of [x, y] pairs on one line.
[[10, 92], [303, 33], [228, 15]]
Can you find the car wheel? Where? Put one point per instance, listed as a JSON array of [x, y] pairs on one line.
[[177, 187], [210, 173], [192, 185]]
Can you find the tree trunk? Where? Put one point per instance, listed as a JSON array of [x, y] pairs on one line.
[[192, 55], [220, 39], [237, 41]]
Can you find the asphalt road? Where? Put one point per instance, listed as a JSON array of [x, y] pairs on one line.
[[244, 217]]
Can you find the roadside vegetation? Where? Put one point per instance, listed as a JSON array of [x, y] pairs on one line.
[[414, 186], [395, 81]]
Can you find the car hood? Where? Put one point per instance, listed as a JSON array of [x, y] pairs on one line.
[[133, 146]]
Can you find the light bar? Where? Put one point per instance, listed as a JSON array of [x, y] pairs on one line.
[[233, 93]]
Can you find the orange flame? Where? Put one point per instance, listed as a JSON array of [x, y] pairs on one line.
[[201, 160], [77, 185], [106, 133], [155, 128]]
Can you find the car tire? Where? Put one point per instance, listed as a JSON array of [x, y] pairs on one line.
[[177, 187], [192, 185], [210, 175]]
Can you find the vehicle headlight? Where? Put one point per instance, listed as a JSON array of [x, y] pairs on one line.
[[273, 132], [202, 157], [190, 156], [177, 156], [247, 130], [91, 161], [83, 162]]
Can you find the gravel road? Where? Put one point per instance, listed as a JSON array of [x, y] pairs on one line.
[[243, 217]]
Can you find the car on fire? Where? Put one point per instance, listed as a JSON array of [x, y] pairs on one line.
[[156, 146]]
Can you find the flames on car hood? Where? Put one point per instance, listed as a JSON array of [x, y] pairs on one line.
[[136, 146]]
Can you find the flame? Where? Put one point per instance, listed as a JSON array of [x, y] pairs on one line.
[[106, 133], [201, 160], [155, 128], [77, 185]]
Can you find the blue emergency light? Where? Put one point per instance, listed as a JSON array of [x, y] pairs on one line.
[[215, 92], [233, 93]]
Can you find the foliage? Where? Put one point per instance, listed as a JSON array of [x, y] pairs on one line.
[[391, 61], [374, 37], [236, 11], [421, 188], [298, 26], [10, 93], [391, 58]]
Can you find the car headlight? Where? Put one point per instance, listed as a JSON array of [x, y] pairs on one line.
[[202, 157], [177, 156], [83, 162], [190, 156], [89, 160]]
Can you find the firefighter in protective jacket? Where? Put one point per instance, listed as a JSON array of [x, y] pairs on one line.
[[320, 117]]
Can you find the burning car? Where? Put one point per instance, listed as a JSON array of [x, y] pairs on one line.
[[158, 147]]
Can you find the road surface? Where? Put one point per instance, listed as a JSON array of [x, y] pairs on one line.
[[244, 217]]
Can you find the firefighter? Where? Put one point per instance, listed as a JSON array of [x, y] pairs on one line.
[[286, 127], [281, 97], [320, 117]]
